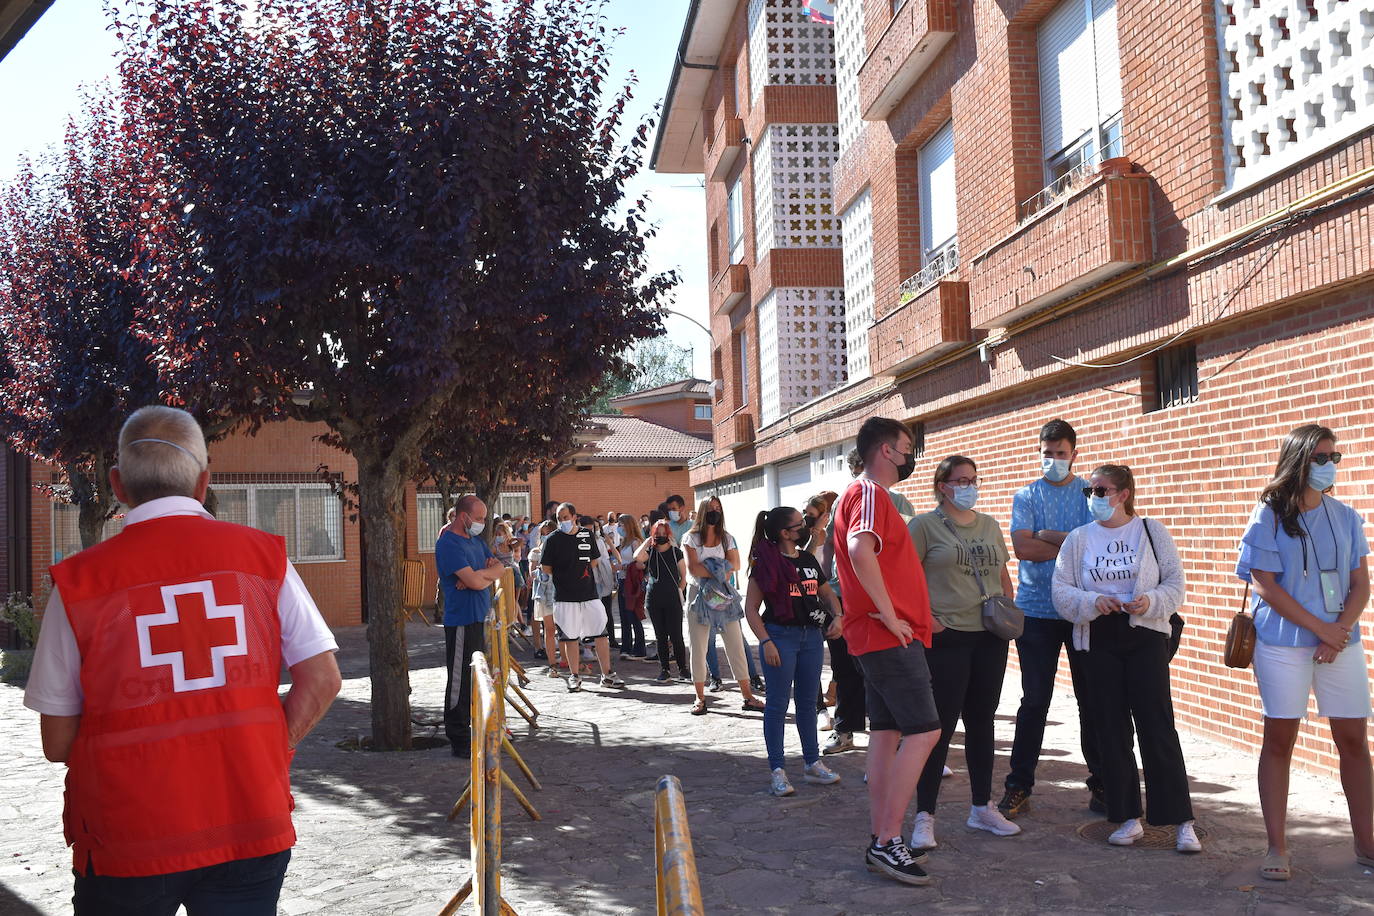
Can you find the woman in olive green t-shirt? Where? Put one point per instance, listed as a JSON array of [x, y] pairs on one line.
[[966, 662]]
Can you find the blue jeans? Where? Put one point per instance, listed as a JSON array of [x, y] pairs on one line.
[[631, 627], [713, 666], [244, 887], [800, 651]]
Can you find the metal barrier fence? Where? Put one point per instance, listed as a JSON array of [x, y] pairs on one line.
[[679, 892], [488, 727]]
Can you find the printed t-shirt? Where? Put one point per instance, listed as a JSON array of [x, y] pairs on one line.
[[954, 596], [452, 552], [1332, 538], [1044, 506], [570, 558], [866, 506], [807, 608], [1111, 558]]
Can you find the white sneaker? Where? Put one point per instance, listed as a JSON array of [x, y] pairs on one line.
[[574, 683], [1128, 833], [838, 742], [987, 817], [780, 786], [923, 832], [825, 722], [1187, 840], [612, 680], [947, 773], [820, 774]]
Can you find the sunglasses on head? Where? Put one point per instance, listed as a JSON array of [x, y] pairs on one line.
[[1324, 457], [1099, 492]]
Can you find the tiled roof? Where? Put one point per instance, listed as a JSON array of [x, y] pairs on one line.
[[633, 439], [688, 387]]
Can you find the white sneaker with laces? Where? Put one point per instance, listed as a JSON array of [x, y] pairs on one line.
[[1127, 833], [838, 742], [574, 683], [820, 774], [923, 832], [612, 680], [780, 785], [987, 817], [1187, 840]]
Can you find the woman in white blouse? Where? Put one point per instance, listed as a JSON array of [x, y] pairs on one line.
[[1118, 579]]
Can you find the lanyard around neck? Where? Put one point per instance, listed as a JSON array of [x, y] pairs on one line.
[[1334, 543]]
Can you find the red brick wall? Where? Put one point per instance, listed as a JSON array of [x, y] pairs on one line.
[[631, 489], [679, 414]]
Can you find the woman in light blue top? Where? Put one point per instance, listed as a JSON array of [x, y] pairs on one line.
[[1303, 553]]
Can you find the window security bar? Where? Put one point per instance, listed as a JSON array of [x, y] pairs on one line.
[[941, 264]]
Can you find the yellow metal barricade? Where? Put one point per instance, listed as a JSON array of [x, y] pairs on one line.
[[679, 892], [488, 724]]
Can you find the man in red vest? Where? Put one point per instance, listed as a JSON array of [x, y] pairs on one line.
[[156, 678]]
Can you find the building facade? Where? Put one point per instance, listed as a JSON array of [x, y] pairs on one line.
[[1151, 220]]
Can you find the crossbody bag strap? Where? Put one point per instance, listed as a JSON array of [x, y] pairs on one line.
[[977, 574]]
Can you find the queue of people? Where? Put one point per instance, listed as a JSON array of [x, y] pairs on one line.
[[899, 598]]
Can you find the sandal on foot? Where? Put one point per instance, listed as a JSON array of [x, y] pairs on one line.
[[1276, 868], [1366, 861], [753, 703], [699, 708]]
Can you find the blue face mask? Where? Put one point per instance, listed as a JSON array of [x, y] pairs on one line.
[[1321, 476], [965, 497], [1101, 507], [1055, 469], [673, 515], [565, 527]]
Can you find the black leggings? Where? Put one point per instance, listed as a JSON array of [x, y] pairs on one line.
[[666, 616], [966, 671]]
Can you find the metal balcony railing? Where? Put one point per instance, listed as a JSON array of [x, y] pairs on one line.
[[941, 264]]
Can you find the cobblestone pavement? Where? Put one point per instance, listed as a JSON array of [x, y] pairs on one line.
[[373, 838]]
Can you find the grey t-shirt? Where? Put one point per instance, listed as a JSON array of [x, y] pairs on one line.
[[950, 568]]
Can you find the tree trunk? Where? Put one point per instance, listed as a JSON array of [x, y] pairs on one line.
[[381, 498], [90, 488], [488, 486]]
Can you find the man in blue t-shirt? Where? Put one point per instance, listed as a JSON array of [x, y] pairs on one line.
[[1042, 514], [467, 570]]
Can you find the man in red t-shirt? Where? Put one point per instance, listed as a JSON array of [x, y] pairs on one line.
[[887, 624]]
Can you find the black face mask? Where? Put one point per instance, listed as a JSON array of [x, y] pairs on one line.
[[803, 538], [906, 467], [712, 518], [660, 539]]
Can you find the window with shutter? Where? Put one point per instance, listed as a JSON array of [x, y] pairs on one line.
[[735, 211], [939, 216], [1080, 85]]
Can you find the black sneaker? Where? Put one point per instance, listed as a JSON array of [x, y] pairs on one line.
[[895, 860], [756, 683], [663, 676], [541, 654], [683, 675], [715, 685], [1097, 803], [1015, 802]]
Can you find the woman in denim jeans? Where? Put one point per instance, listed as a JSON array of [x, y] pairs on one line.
[[799, 611]]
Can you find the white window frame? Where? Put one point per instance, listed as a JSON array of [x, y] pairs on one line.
[[940, 142], [1098, 27], [252, 490], [112, 526], [734, 220], [516, 502], [701, 411]]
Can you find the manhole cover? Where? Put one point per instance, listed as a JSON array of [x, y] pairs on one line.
[[1154, 838]]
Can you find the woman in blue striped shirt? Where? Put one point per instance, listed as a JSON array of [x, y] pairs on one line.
[[1304, 554]]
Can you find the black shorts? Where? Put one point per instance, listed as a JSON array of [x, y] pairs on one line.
[[897, 690]]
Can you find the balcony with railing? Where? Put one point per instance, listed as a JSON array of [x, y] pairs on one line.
[[931, 318], [1089, 224], [919, 30]]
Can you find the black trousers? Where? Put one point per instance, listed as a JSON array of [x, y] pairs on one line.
[[851, 711], [1038, 649], [966, 671], [1128, 672], [666, 616], [459, 644], [610, 619]]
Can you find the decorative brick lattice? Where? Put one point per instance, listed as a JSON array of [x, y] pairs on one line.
[[857, 228], [786, 48], [801, 347], [1297, 77], [793, 206], [849, 54]]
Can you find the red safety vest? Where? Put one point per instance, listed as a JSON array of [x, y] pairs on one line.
[[181, 757]]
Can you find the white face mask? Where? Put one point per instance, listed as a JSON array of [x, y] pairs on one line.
[[1055, 469], [565, 527], [477, 528]]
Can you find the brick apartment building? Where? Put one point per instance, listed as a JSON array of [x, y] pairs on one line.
[[1150, 219], [272, 481]]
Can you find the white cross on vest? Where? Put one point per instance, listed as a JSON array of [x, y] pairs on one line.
[[192, 636]]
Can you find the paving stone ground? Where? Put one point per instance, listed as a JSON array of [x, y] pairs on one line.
[[374, 839]]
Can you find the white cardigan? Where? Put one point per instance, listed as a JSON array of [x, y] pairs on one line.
[[1160, 577]]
